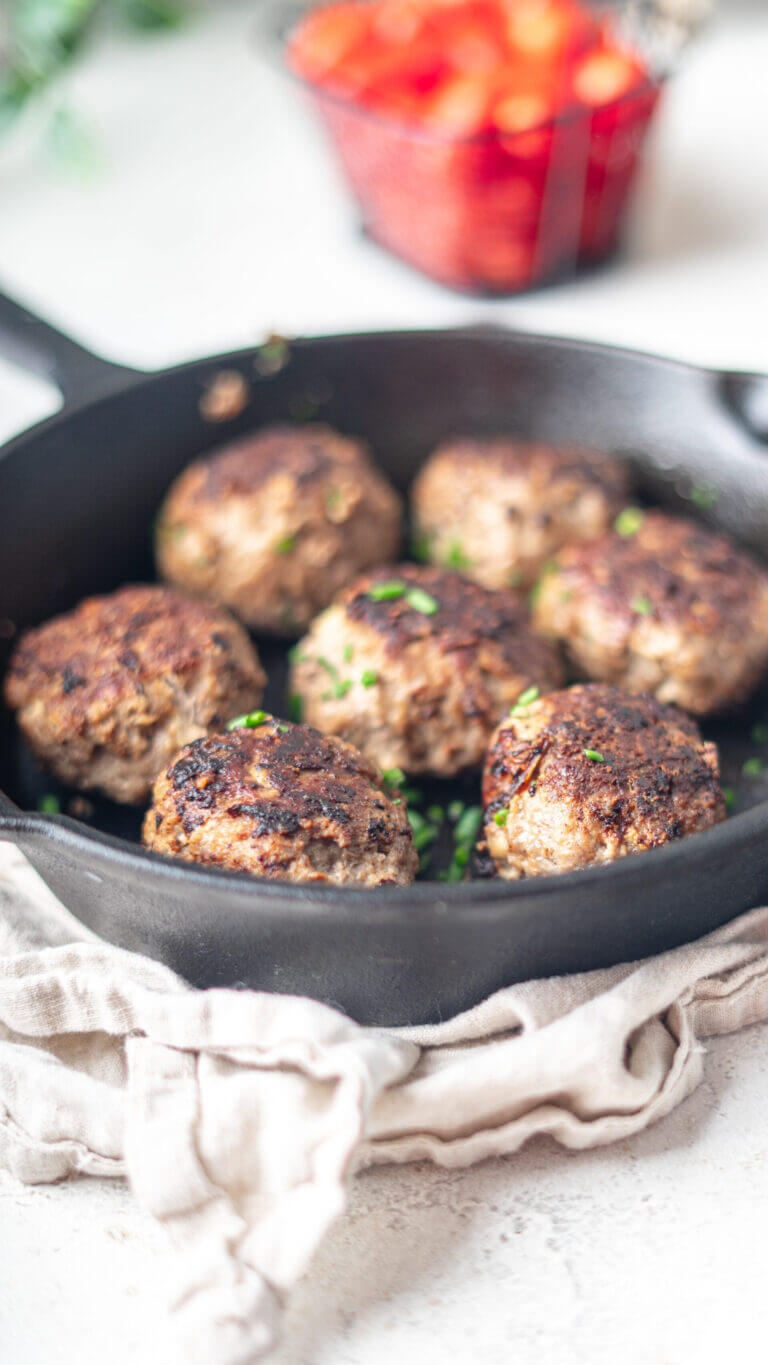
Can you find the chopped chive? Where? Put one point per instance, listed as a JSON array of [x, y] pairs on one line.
[[49, 804], [295, 708], [330, 668], [593, 755], [340, 689], [760, 733], [455, 873], [501, 817], [423, 832], [393, 778], [420, 548], [295, 655], [370, 677], [730, 798], [455, 811], [387, 592], [629, 521], [468, 827], [530, 694], [753, 767], [349, 654], [703, 496], [333, 500], [283, 729], [251, 721], [461, 857], [285, 545], [642, 606], [456, 558], [436, 814], [551, 566], [398, 801], [422, 601], [413, 795]]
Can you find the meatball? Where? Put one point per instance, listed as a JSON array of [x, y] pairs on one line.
[[589, 775], [285, 802], [109, 692], [498, 509], [416, 665], [666, 607], [275, 524]]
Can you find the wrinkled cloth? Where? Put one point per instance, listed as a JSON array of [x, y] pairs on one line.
[[238, 1117]]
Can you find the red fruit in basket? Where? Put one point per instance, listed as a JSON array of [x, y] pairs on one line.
[[549, 29], [460, 106], [520, 113]]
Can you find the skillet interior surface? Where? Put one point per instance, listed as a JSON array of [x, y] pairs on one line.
[[78, 496]]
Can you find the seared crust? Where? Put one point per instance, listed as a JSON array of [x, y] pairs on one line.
[[498, 508], [657, 781], [672, 609], [419, 690], [106, 693], [281, 801], [276, 523]]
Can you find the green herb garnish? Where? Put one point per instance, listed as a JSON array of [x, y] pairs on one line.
[[642, 606], [530, 694], [551, 566], [424, 833], [285, 545], [455, 811], [629, 521], [387, 592], [295, 708], [348, 654], [501, 817], [730, 798], [422, 601], [284, 729], [49, 804], [394, 778], [251, 721], [593, 755], [420, 547], [456, 558], [369, 678], [468, 826], [753, 767], [436, 814]]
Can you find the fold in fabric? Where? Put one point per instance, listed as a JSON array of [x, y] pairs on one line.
[[237, 1117]]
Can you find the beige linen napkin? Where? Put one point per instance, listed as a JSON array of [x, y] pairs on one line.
[[237, 1117]]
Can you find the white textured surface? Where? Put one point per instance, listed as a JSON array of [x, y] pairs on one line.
[[214, 220]]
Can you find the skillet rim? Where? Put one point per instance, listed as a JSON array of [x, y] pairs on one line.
[[464, 896]]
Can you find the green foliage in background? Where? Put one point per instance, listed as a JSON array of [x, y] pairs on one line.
[[38, 38]]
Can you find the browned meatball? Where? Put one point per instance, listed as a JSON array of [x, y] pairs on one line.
[[498, 509], [275, 524], [666, 607], [590, 775], [416, 665], [285, 802], [107, 693]]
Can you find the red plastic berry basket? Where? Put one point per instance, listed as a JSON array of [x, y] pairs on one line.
[[496, 211]]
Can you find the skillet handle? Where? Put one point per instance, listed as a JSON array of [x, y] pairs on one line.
[[34, 345]]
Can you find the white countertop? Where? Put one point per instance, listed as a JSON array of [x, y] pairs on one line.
[[214, 219]]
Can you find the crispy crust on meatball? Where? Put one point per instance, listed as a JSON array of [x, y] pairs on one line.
[[276, 523], [672, 609], [414, 690], [498, 509], [590, 775], [281, 801], [107, 693]]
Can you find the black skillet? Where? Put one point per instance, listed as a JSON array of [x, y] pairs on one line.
[[77, 497]]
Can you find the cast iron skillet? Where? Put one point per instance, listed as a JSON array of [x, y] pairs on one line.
[[77, 497]]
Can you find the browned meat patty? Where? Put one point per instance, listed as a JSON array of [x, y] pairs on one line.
[[107, 694], [275, 524], [590, 775], [498, 509], [416, 665], [285, 802], [667, 607]]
